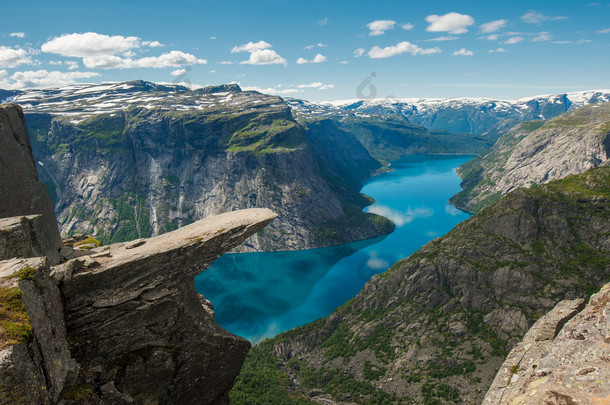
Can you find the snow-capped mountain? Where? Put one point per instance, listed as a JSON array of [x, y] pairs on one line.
[[461, 115]]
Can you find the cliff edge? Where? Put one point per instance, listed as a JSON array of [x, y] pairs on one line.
[[117, 324]]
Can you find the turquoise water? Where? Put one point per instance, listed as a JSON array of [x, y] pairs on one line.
[[258, 295]]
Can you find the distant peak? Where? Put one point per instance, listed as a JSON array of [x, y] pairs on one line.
[[221, 88]]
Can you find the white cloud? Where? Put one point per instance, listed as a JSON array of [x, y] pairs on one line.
[[212, 71], [319, 45], [606, 31], [443, 38], [178, 72], [542, 37], [251, 47], [324, 21], [152, 44], [493, 26], [580, 41], [359, 52], [532, 17], [11, 58], [42, 79], [115, 52], [17, 34], [344, 62], [71, 64], [171, 59], [402, 47], [90, 44], [492, 37], [316, 85], [319, 58], [270, 90], [260, 54], [407, 26], [379, 27], [453, 23], [497, 50], [513, 40], [212, 37], [264, 57], [225, 62], [463, 52]]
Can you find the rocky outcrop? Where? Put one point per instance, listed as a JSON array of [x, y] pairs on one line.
[[136, 325], [20, 191], [437, 326], [118, 324], [537, 152], [563, 359], [134, 160]]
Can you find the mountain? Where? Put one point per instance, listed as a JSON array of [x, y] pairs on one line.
[[388, 137], [436, 327], [129, 160], [536, 152]]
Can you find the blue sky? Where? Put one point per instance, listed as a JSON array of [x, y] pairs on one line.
[[316, 50]]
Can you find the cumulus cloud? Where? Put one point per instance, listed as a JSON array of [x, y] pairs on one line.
[[260, 54], [40, 79], [532, 17], [463, 52], [100, 51], [152, 44], [443, 38], [402, 47], [453, 23], [17, 34], [344, 62], [492, 37], [513, 40], [492, 26], [301, 61], [359, 52], [407, 26], [606, 31], [316, 85], [319, 58], [178, 72], [497, 50], [90, 44], [379, 27], [542, 37], [11, 58], [171, 59]]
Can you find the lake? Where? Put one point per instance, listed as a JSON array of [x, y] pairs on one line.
[[258, 295]]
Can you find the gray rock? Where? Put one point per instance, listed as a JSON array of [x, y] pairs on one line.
[[563, 359], [21, 193]]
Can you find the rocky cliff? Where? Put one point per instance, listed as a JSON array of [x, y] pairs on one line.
[[537, 152], [117, 324], [563, 359], [436, 327], [137, 159]]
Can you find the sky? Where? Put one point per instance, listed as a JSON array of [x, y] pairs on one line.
[[314, 50]]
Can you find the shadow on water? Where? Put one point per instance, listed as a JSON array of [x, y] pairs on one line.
[[258, 295]]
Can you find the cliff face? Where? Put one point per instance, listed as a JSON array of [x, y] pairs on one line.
[[118, 324], [537, 152], [137, 159], [564, 358], [20, 191], [437, 326]]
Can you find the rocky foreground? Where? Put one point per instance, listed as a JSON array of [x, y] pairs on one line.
[[117, 324]]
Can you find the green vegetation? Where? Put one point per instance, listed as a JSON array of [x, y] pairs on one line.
[[15, 324], [433, 392], [372, 372], [88, 241], [27, 273], [81, 393]]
